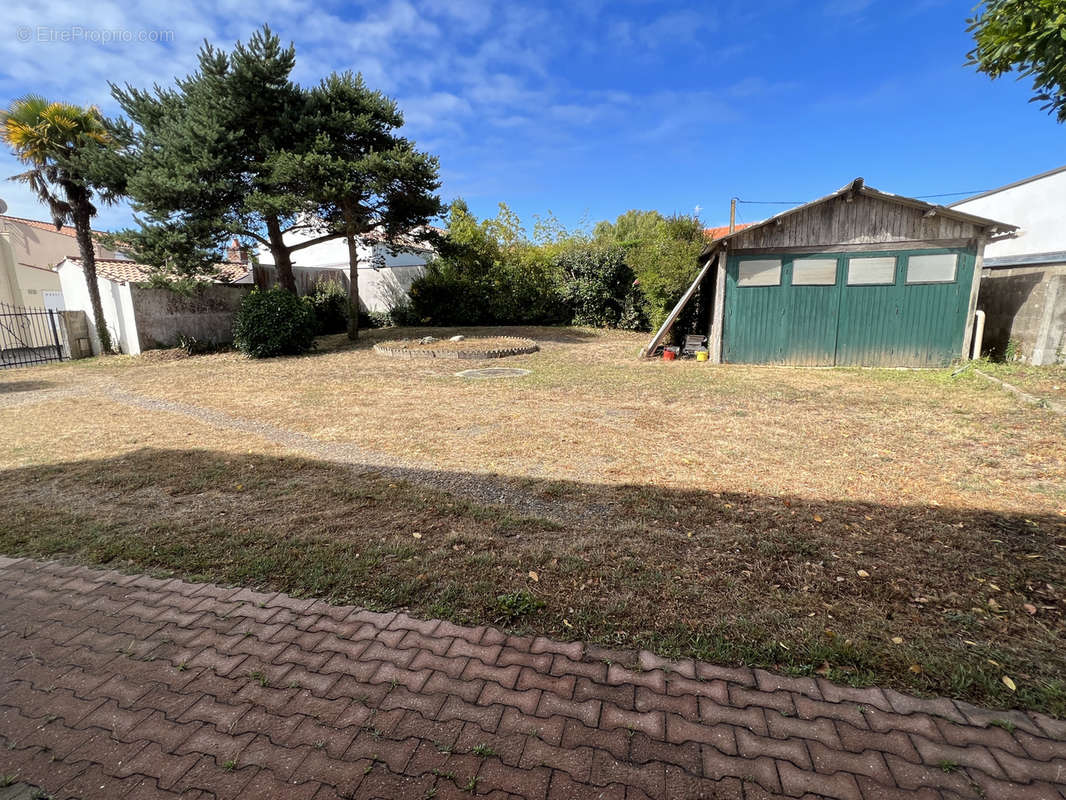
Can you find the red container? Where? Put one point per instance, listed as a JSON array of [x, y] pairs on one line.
[[669, 355]]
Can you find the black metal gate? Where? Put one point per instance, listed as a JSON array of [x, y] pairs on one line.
[[29, 336]]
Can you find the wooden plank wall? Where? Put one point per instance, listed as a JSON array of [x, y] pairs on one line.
[[863, 220], [266, 276]]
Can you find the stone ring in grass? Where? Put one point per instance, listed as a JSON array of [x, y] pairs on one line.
[[478, 347]]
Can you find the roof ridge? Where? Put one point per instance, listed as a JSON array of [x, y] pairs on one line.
[[1013, 185], [66, 230]]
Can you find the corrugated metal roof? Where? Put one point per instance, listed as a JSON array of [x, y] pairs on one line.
[[1025, 260], [859, 187]]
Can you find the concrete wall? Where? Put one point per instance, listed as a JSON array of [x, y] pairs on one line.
[[161, 316], [77, 338], [1026, 305]]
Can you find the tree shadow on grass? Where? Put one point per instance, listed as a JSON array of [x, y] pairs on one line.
[[802, 586], [11, 387]]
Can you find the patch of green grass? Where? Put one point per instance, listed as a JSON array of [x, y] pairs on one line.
[[515, 605], [482, 750], [259, 677]]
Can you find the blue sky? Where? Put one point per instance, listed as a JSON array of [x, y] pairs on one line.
[[590, 108]]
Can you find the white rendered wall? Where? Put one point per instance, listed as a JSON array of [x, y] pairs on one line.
[[1038, 207], [114, 299], [381, 274]]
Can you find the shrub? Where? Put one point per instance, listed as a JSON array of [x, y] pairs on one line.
[[663, 252], [196, 347], [486, 274], [274, 322], [600, 288], [329, 300]]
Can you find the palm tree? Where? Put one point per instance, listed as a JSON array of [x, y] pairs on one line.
[[56, 141]]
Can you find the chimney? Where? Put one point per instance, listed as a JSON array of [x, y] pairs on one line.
[[236, 254]]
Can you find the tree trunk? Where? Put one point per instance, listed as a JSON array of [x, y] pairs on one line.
[[83, 233], [282, 255], [353, 282]]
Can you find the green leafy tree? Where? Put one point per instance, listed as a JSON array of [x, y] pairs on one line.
[[488, 273], [661, 251], [599, 287], [207, 160], [60, 143], [1026, 36], [360, 174]]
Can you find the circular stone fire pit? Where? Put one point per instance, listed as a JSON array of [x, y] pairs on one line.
[[473, 349]]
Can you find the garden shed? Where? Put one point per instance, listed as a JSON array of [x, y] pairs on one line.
[[859, 277]]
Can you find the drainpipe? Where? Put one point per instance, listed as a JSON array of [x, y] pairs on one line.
[[978, 334]]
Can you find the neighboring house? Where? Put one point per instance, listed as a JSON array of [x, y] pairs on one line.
[[140, 317], [1023, 285], [859, 277], [723, 230], [29, 249], [385, 273]]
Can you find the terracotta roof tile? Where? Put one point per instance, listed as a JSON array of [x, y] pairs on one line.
[[66, 230], [124, 271], [723, 230]]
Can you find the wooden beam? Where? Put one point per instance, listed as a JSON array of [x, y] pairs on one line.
[[714, 342], [668, 323]]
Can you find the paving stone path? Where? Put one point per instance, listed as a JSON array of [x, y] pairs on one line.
[[119, 686]]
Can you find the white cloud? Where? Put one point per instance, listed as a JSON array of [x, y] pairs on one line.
[[483, 83]]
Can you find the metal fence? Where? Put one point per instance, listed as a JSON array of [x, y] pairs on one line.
[[30, 336]]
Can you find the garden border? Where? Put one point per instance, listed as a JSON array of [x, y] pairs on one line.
[[522, 346]]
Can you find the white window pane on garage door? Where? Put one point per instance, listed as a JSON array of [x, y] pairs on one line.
[[871, 271], [939, 268], [759, 272], [814, 272]]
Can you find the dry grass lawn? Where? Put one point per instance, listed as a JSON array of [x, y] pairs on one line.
[[898, 527], [1047, 382]]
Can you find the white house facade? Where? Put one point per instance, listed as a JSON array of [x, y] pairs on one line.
[[1023, 284], [385, 273]]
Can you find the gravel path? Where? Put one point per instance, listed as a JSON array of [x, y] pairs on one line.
[[482, 489]]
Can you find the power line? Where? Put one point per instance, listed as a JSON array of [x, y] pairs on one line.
[[801, 202], [948, 194]]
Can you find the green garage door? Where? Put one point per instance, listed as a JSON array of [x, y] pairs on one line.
[[875, 309]]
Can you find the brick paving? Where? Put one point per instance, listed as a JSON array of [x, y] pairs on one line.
[[119, 686]]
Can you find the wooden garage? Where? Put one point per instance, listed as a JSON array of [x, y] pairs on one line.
[[859, 277]]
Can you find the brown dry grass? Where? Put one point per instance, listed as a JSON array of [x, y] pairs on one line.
[[1047, 382], [590, 411], [736, 506]]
